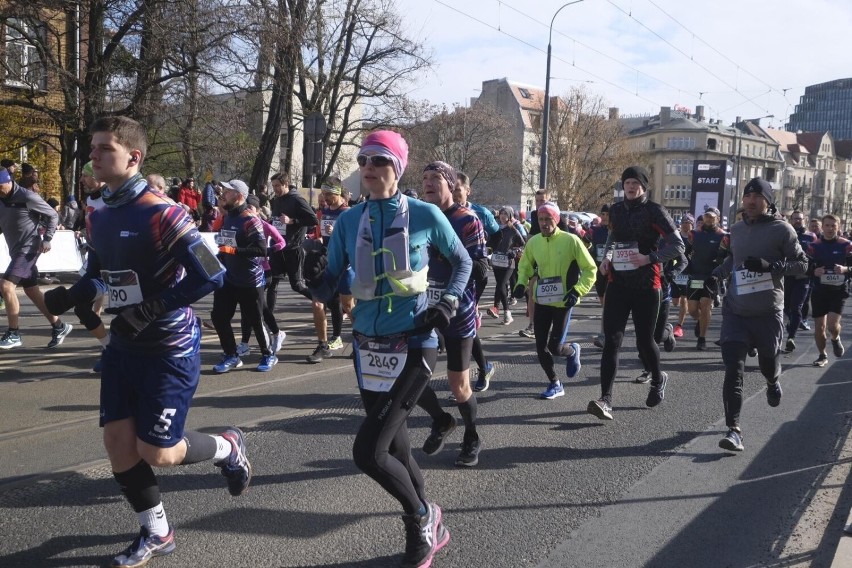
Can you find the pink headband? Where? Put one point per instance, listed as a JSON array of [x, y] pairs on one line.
[[551, 210]]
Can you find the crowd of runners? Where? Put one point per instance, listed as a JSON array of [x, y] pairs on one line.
[[409, 271]]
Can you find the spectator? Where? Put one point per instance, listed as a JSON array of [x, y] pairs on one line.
[[29, 178], [190, 196]]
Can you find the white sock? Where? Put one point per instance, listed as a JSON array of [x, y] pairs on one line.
[[154, 519], [223, 448]]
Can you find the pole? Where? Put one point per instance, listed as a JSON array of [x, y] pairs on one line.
[[542, 176]]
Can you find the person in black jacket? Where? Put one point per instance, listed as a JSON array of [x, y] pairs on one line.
[[292, 216]]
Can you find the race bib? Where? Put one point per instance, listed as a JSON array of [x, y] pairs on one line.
[[696, 284], [279, 225], [434, 292], [832, 279], [380, 361], [600, 251], [500, 260], [122, 288], [623, 254], [748, 282], [681, 279], [326, 226], [549, 290], [227, 238]]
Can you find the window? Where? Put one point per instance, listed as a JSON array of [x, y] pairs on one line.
[[533, 148], [223, 167], [525, 93], [23, 66]]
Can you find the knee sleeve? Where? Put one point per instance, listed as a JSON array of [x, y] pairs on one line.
[[87, 316], [139, 486]]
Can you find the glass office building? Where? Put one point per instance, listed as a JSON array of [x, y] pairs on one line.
[[825, 107]]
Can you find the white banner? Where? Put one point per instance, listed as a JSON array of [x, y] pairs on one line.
[[64, 255]]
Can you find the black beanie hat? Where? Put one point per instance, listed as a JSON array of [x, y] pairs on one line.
[[637, 173], [604, 208], [761, 186]]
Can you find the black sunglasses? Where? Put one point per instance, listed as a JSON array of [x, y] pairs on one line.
[[378, 161]]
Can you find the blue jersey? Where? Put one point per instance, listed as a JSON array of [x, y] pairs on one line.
[[469, 229], [327, 218], [140, 250], [392, 314], [826, 254], [240, 229]]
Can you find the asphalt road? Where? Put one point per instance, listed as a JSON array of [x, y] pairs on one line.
[[555, 487]]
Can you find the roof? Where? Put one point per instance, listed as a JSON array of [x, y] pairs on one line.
[[811, 140], [843, 149]]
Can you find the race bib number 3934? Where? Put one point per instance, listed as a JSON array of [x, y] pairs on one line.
[[623, 255]]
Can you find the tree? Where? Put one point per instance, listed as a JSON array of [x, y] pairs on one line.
[[471, 139], [587, 152]]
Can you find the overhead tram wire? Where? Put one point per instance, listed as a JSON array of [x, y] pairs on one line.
[[679, 50], [598, 77]]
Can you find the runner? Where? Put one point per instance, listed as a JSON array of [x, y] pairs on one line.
[[566, 271], [680, 283], [28, 225], [764, 249], [394, 354], [156, 265], [706, 248], [506, 247], [797, 289], [633, 264], [831, 260]]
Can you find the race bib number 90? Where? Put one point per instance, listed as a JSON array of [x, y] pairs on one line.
[[380, 361], [122, 288]]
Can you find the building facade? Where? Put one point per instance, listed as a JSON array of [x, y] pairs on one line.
[[826, 107]]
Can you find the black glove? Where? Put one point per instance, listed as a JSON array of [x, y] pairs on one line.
[[439, 315], [571, 298], [58, 301], [519, 292], [711, 284], [132, 320], [754, 264], [314, 266]]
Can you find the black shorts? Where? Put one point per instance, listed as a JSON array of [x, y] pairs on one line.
[[695, 294], [458, 353], [22, 269], [824, 302]]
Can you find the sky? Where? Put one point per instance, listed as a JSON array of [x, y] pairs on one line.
[[737, 58]]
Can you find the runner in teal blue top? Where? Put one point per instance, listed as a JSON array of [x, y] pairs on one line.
[[386, 241]]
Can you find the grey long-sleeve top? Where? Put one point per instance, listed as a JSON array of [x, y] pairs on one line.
[[22, 215]]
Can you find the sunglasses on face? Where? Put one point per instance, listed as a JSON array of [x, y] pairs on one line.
[[377, 161]]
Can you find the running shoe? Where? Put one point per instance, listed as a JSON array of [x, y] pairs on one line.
[[752, 352], [483, 380], [59, 334], [600, 408], [335, 343], [207, 324], [790, 346], [678, 331], [773, 393], [11, 339], [553, 391], [236, 467], [469, 455], [421, 537], [803, 325], [438, 436], [145, 547], [507, 318], [243, 349], [572, 365], [658, 391], [527, 332], [321, 352], [644, 378], [822, 361], [493, 312], [837, 345], [670, 342], [733, 441], [513, 301], [99, 363], [701, 344], [278, 341], [266, 363], [227, 363], [598, 341]]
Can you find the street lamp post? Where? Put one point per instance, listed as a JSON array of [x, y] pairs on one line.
[[542, 177]]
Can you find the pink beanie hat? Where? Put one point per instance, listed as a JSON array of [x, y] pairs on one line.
[[391, 144], [551, 210]]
